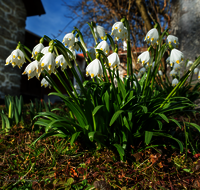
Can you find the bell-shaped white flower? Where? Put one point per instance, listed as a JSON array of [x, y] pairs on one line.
[[189, 63], [16, 58], [99, 32], [199, 75], [168, 60], [92, 53], [177, 67], [60, 60], [176, 56], [160, 73], [45, 83], [152, 36], [76, 46], [113, 60], [174, 82], [94, 69], [144, 58], [196, 70], [46, 50], [173, 40], [173, 73], [104, 47], [142, 70], [73, 52], [69, 40], [118, 31], [139, 74], [48, 62], [37, 49], [33, 69]]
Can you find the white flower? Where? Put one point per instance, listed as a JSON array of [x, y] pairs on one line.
[[94, 69], [92, 53], [173, 40], [37, 49], [189, 63], [73, 52], [135, 84], [69, 40], [75, 86], [199, 75], [160, 73], [142, 70], [196, 70], [113, 60], [16, 58], [99, 32], [177, 67], [48, 62], [144, 58], [45, 83], [139, 75], [152, 36], [104, 47], [173, 73], [176, 56], [76, 46], [118, 30], [125, 34], [60, 60], [174, 82], [33, 69], [46, 50], [168, 60]]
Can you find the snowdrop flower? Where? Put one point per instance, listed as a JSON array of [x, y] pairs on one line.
[[92, 53], [118, 31], [48, 62], [33, 69], [176, 56], [76, 46], [196, 70], [189, 63], [69, 40], [173, 73], [99, 32], [45, 83], [174, 82], [113, 60], [60, 60], [152, 36], [144, 58], [16, 58], [142, 70], [104, 47], [94, 69], [173, 40], [160, 73], [37, 49], [177, 67]]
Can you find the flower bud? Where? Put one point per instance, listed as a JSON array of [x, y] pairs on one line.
[[41, 40], [51, 49], [93, 24]]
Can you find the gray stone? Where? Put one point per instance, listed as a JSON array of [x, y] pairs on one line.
[[4, 23], [2, 14], [2, 78], [21, 12], [10, 44], [14, 78], [10, 3], [4, 53], [13, 90], [5, 33]]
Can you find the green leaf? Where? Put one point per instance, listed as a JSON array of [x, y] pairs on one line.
[[194, 125], [175, 121], [126, 123], [148, 136], [74, 137], [120, 150], [144, 109], [96, 109], [115, 116], [111, 42], [164, 117]]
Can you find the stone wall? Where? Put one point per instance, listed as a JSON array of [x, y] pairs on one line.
[[12, 30], [185, 24]]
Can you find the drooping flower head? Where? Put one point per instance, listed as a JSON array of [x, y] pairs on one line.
[[69, 40], [99, 32], [76, 46], [142, 70], [196, 70], [113, 60], [92, 53], [176, 56], [173, 73], [33, 69], [104, 47], [37, 49], [177, 67], [152, 36], [16, 58], [94, 69], [173, 40], [119, 31], [60, 60], [174, 82], [160, 73], [48, 63], [45, 83], [144, 58]]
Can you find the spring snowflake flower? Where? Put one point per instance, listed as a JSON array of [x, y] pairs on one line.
[[76, 46], [196, 70], [142, 70], [119, 31], [37, 49], [176, 56], [48, 63], [144, 58], [113, 60], [69, 40], [16, 58], [73, 52], [45, 83], [45, 50], [152, 36], [177, 67], [173, 40], [174, 82], [104, 47], [33, 69], [189, 63], [173, 73], [94, 69], [199, 75], [139, 75], [92, 53], [168, 60], [99, 32], [60, 60], [160, 73]]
